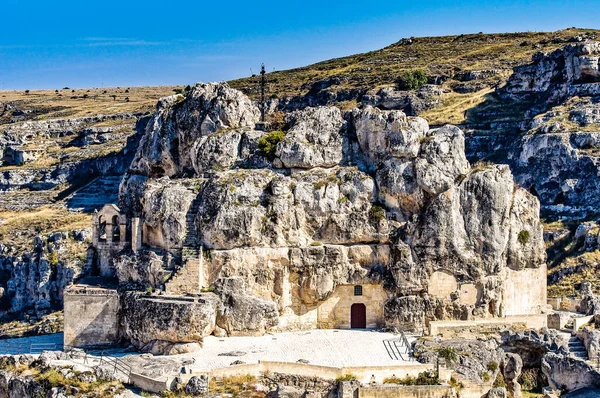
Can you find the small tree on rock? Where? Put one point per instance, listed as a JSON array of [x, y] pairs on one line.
[[411, 80]]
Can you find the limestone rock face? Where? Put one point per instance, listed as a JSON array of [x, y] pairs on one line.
[[36, 280], [151, 319], [314, 140], [498, 392], [556, 167], [410, 102], [467, 229], [398, 186], [244, 314], [197, 385], [386, 134], [442, 160], [473, 356], [569, 373], [370, 197], [308, 273], [165, 207], [262, 208], [557, 75], [173, 139], [591, 340], [144, 269]]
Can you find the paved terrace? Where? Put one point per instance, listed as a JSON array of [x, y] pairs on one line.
[[336, 348]]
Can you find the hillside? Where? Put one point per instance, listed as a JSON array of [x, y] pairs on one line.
[[446, 60]]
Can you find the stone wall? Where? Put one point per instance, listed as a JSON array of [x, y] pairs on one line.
[[393, 391], [525, 291], [334, 312], [91, 316], [364, 374], [564, 304], [442, 284]]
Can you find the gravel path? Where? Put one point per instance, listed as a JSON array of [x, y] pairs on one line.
[[335, 348]]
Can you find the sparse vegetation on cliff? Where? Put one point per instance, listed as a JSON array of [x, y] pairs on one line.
[[411, 80], [268, 143]]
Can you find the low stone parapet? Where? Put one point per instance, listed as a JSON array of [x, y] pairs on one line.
[[150, 384], [394, 391], [364, 374], [564, 304], [485, 326]]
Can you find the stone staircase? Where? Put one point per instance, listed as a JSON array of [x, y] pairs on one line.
[[95, 194], [191, 237], [187, 278], [577, 349]]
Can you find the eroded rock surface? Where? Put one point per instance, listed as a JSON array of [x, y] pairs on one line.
[[370, 196]]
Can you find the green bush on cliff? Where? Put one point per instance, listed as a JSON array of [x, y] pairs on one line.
[[376, 213], [523, 237], [449, 354], [268, 143], [411, 80]]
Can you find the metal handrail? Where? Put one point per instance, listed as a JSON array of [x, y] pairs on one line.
[[396, 350], [117, 364]]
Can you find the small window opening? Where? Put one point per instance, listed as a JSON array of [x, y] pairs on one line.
[[358, 290]]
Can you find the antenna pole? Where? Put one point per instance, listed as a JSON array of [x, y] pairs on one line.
[[262, 92]]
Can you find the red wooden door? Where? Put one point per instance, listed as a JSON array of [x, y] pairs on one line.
[[358, 316]]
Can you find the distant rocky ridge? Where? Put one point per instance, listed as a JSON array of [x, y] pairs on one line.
[[555, 157]]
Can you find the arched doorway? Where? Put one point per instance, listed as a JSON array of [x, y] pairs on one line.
[[358, 316]]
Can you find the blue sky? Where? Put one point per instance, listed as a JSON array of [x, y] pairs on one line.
[[57, 43]]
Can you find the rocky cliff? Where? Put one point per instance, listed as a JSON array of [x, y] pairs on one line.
[[543, 123], [33, 283], [366, 196]]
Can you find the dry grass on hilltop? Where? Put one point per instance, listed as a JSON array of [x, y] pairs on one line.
[[437, 56], [71, 103], [19, 227]]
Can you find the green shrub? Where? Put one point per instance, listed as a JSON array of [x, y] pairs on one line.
[[460, 178], [268, 143], [53, 259], [523, 237], [529, 380], [492, 366], [346, 377], [392, 380], [455, 383], [376, 213], [316, 243], [499, 382], [319, 184], [486, 377], [427, 378], [449, 354], [411, 80]]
